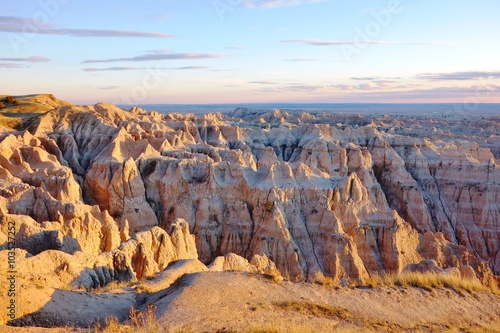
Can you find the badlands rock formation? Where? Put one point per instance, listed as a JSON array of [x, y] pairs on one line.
[[107, 194]]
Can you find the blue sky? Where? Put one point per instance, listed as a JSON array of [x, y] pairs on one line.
[[236, 51]]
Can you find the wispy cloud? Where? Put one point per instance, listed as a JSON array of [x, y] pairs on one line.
[[109, 87], [262, 82], [380, 85], [456, 91], [11, 65], [116, 69], [159, 56], [365, 78], [481, 93], [239, 47], [372, 86], [276, 3], [21, 25], [191, 68], [162, 51], [111, 69], [318, 42], [298, 88], [459, 76], [374, 78], [28, 59]]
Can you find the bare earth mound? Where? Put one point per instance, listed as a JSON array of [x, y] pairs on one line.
[[213, 301], [243, 302]]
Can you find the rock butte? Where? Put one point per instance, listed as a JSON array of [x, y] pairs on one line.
[[100, 194]]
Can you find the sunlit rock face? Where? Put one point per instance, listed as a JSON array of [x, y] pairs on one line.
[[316, 194]]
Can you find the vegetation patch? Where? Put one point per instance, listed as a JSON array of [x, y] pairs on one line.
[[316, 310], [431, 281]]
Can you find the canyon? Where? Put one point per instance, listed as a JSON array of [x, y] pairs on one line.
[[100, 194]]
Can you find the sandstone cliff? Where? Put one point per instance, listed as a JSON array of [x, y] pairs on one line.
[[315, 194]]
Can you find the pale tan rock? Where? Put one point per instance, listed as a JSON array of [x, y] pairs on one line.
[[467, 272], [343, 195], [265, 266], [172, 273], [149, 252], [425, 266], [232, 262]]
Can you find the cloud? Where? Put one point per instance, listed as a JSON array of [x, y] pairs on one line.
[[109, 87], [235, 47], [376, 85], [191, 67], [375, 78], [114, 69], [366, 78], [459, 76], [262, 82], [28, 59], [476, 90], [297, 88], [478, 93], [11, 65], [162, 51], [24, 25], [276, 3], [159, 56], [109, 69], [317, 42]]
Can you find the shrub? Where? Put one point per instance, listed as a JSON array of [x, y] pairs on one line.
[[2, 105], [10, 99], [269, 205]]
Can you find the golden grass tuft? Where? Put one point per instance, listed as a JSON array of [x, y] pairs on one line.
[[140, 322], [273, 328], [431, 281], [314, 309]]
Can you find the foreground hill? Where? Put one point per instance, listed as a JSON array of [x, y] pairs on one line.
[[239, 302], [98, 194]]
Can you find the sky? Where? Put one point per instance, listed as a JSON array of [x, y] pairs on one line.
[[252, 51]]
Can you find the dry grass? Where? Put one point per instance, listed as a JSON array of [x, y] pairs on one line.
[[112, 286], [272, 328], [314, 309], [10, 123], [342, 318], [431, 281], [139, 322]]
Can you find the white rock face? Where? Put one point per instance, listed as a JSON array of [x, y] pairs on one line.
[[343, 196]]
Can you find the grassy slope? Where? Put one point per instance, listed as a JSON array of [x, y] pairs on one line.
[[27, 106]]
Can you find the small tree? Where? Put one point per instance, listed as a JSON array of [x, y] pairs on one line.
[[10, 99]]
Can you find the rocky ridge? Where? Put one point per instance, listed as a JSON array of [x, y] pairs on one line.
[[106, 194]]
